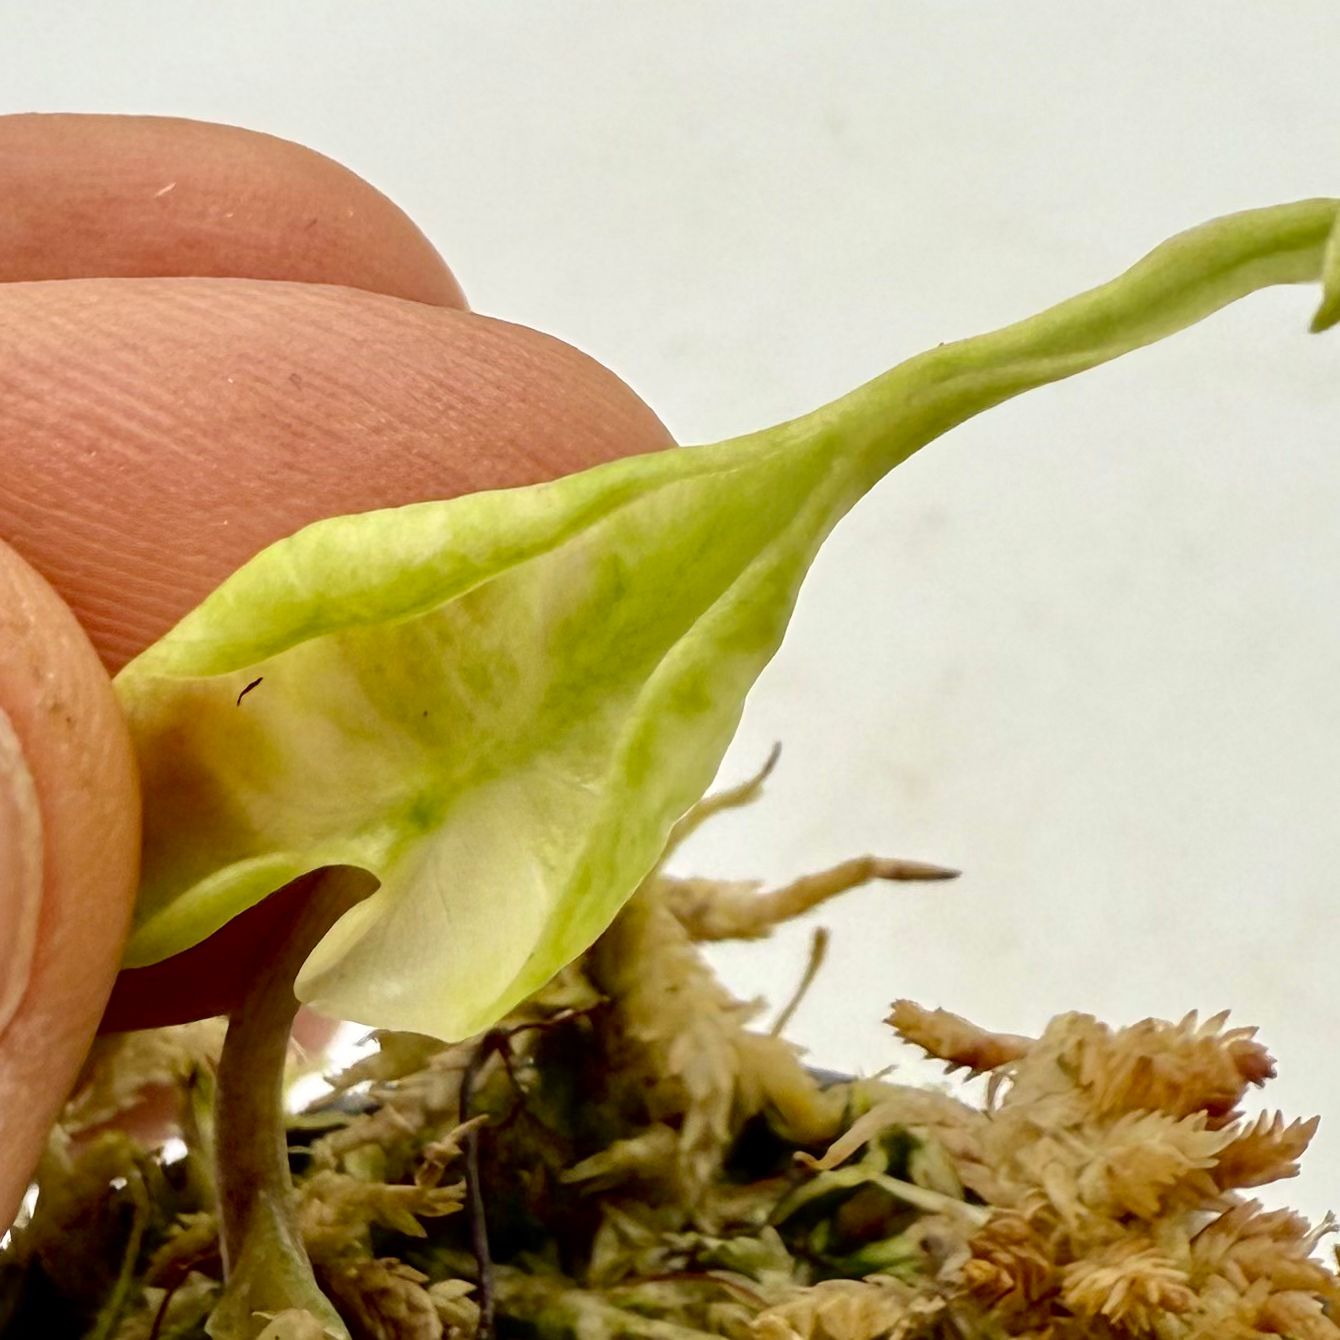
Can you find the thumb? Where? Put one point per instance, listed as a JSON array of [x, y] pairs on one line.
[[69, 850]]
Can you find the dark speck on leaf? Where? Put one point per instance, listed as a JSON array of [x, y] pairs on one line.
[[248, 689]]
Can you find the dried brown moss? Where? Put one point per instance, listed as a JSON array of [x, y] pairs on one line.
[[651, 1168]]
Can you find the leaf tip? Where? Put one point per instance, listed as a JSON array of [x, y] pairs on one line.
[[1328, 314]]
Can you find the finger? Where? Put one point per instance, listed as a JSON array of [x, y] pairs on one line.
[[69, 835], [128, 196], [158, 434]]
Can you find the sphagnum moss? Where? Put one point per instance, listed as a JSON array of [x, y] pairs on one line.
[[651, 1168]]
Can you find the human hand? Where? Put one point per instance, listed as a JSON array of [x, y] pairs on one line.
[[208, 338]]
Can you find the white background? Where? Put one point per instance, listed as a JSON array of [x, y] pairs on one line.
[[1087, 648]]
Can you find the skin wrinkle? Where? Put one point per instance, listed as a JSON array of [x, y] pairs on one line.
[[384, 388]]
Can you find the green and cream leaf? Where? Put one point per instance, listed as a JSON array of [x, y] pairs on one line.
[[501, 704]]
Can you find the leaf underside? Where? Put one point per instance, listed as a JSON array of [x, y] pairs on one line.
[[500, 704]]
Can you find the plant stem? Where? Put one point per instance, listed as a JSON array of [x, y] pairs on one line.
[[491, 1043], [265, 1266]]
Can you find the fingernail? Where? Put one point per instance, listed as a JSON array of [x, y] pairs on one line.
[[20, 871]]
